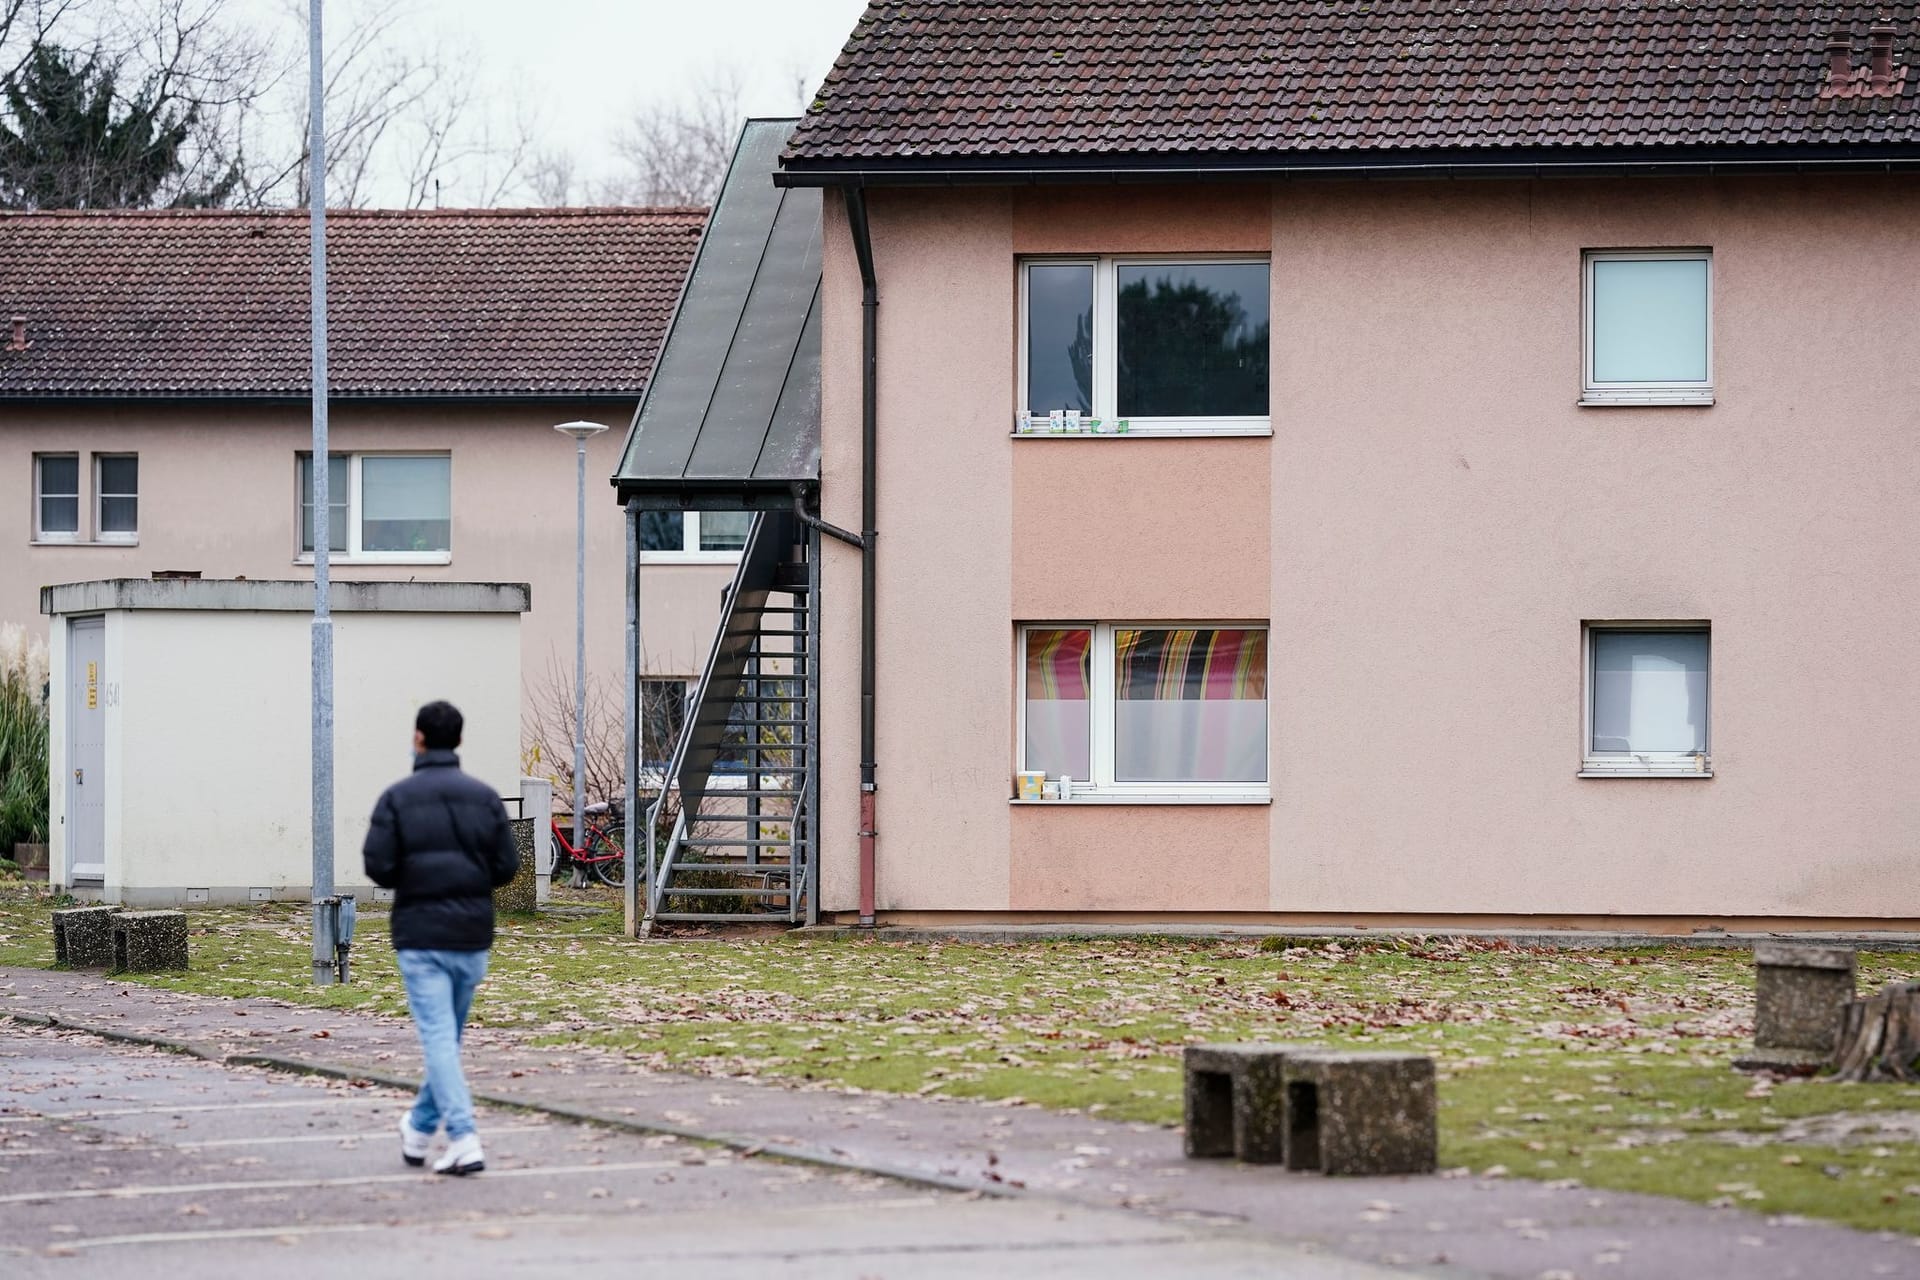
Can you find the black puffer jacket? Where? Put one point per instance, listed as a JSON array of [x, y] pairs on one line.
[[440, 841]]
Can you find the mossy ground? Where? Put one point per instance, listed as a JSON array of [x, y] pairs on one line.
[[1608, 1068]]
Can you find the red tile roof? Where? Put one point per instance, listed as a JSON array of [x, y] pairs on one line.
[[542, 302], [1074, 79]]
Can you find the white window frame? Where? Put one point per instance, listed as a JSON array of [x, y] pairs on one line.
[[1604, 394], [61, 536], [1106, 349], [354, 554], [1102, 788], [1642, 764], [100, 534], [690, 552]]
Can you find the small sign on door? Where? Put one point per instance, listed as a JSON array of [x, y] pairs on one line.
[[93, 685]]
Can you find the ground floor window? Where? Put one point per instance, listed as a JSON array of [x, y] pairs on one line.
[[1146, 709], [663, 713], [1647, 698], [694, 535]]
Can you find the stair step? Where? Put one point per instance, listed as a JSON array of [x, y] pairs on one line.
[[724, 917], [770, 869], [731, 842], [670, 890], [746, 793]]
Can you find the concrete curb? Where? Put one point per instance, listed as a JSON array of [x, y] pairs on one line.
[[746, 1146], [1546, 939]]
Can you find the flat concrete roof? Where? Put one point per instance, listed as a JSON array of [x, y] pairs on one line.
[[290, 596]]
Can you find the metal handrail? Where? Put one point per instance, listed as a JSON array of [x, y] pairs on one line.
[[749, 560]]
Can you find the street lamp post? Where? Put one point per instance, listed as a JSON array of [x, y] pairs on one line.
[[581, 433]]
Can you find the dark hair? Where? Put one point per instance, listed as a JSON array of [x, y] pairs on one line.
[[441, 723]]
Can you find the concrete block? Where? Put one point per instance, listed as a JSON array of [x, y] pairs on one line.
[[149, 941], [1364, 1113], [83, 936], [1236, 1101], [1799, 995]]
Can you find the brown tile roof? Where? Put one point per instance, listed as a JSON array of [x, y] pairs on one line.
[[447, 303], [1070, 80]]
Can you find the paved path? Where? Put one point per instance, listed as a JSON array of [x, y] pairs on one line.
[[1043, 1162], [125, 1160]]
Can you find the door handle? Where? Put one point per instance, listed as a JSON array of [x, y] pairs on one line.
[[80, 777]]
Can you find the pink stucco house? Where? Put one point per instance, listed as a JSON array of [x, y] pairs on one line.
[[1407, 465], [154, 412]]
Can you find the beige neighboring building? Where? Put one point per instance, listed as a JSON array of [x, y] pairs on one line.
[[154, 413]]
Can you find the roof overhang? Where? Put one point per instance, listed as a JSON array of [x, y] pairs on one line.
[[1532, 162], [731, 415]]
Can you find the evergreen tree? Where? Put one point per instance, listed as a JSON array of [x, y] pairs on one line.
[[68, 141]]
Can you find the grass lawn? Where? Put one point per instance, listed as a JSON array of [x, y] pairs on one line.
[[1607, 1068]]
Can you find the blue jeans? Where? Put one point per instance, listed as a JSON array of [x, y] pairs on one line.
[[440, 987]]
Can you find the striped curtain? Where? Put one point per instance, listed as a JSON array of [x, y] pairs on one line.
[[1059, 721], [1190, 705], [1190, 666]]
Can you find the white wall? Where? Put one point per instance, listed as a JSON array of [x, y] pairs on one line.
[[209, 739]]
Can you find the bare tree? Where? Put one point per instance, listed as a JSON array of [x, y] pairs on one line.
[[546, 731], [676, 152], [551, 177]]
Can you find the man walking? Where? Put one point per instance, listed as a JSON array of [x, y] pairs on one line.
[[440, 841]]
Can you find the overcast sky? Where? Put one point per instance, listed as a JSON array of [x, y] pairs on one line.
[[586, 64]]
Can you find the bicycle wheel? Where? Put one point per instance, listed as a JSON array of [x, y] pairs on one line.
[[610, 870]]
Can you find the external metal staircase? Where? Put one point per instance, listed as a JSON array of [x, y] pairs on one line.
[[744, 770]]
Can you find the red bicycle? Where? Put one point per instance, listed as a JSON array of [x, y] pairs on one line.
[[602, 852]]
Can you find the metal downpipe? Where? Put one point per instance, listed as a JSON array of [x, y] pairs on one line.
[[869, 536]]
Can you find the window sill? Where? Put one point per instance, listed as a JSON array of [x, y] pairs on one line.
[[690, 557], [409, 557], [1153, 430], [1702, 398], [1099, 798], [83, 542], [1675, 769]]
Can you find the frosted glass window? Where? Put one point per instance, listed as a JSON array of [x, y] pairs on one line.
[[1649, 320], [1649, 692], [1060, 337], [406, 504], [725, 530], [338, 498], [1190, 706], [118, 487], [57, 479], [1059, 703], [1193, 339]]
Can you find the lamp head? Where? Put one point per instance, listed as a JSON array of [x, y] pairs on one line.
[[581, 430]]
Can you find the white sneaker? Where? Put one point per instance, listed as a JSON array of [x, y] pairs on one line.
[[462, 1157], [414, 1144]]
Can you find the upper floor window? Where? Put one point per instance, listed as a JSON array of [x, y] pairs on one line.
[[694, 535], [56, 497], [1649, 327], [1146, 345], [116, 496], [389, 507], [65, 509]]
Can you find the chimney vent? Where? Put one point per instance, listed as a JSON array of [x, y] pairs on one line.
[[1839, 59], [18, 342], [1880, 44]]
